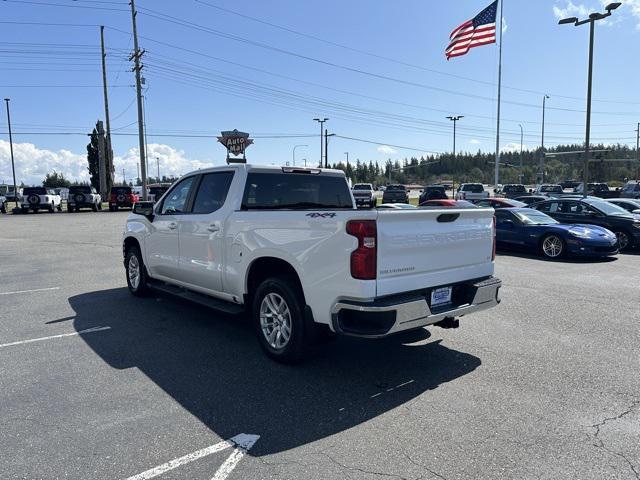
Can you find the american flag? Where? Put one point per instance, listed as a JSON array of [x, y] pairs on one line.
[[481, 30]]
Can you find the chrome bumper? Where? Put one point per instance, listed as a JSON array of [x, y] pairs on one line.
[[383, 317]]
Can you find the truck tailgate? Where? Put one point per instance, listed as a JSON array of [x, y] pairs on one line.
[[425, 248]]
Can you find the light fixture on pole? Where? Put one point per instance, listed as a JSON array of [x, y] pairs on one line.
[[321, 122], [591, 21], [13, 166], [454, 119], [294, 153]]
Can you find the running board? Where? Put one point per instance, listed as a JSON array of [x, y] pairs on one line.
[[204, 300]]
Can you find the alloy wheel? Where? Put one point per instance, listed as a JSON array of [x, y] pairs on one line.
[[552, 246], [275, 321], [134, 272]]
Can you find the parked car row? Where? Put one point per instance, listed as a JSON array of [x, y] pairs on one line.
[[35, 199]]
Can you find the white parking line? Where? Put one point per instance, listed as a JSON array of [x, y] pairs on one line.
[[242, 444], [88, 330], [30, 291]]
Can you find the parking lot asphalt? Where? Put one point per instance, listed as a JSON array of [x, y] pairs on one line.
[[97, 384]]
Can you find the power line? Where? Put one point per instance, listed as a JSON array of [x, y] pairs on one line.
[[45, 4], [390, 59]]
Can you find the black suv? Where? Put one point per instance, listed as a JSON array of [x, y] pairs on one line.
[[595, 212], [433, 192], [83, 196], [513, 190], [395, 194]]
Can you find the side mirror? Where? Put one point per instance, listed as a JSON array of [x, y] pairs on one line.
[[144, 208]]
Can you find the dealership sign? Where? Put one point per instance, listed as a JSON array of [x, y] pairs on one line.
[[236, 144]]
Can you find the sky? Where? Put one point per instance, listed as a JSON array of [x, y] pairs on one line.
[[377, 70]]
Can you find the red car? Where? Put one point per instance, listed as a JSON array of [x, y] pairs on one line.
[[500, 203], [447, 203]]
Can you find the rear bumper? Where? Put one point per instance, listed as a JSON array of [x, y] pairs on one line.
[[386, 316], [363, 200]]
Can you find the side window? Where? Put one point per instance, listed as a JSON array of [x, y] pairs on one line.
[[502, 216], [212, 192], [572, 208], [176, 202], [551, 207]]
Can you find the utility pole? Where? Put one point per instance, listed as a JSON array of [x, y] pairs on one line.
[[102, 159], [158, 165], [321, 122], [454, 119], [541, 162], [638, 143], [137, 68], [109, 148], [13, 166], [347, 154]]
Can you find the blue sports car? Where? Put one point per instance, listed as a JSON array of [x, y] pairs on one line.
[[536, 231]]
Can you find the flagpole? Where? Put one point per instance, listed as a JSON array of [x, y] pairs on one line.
[[497, 169]]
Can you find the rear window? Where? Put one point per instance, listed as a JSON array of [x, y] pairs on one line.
[[362, 187], [515, 189], [121, 190], [295, 191], [473, 188], [34, 191], [80, 189], [551, 188], [396, 188]]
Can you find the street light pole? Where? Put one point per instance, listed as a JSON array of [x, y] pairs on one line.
[[158, 166], [321, 122], [591, 21], [454, 119], [541, 162], [13, 166], [521, 147], [294, 153]]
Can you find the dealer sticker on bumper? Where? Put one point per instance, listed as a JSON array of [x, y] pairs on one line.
[[440, 296]]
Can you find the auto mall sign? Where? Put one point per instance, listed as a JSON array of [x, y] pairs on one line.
[[236, 144]]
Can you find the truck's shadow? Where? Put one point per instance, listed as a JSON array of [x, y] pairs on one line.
[[213, 366]]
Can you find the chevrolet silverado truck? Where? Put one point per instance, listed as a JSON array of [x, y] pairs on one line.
[[40, 198], [471, 192], [288, 246]]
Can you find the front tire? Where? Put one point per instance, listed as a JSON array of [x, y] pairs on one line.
[[623, 239], [136, 273], [552, 247], [70, 208], [52, 208], [278, 318], [3, 208]]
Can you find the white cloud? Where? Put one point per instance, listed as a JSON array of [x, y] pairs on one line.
[[513, 147], [386, 149], [33, 163], [475, 141]]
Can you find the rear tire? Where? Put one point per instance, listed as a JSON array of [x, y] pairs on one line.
[[52, 208], [278, 318], [70, 208], [3, 208], [136, 272], [553, 247], [94, 207], [59, 207]]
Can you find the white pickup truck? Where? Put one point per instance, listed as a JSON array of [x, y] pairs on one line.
[[472, 192], [289, 246], [40, 198]]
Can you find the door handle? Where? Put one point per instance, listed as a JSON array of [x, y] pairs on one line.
[[213, 228], [172, 226]]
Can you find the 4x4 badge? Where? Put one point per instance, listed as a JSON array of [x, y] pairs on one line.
[[321, 215]]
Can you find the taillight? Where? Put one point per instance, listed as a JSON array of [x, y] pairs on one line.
[[364, 258], [112, 197], [493, 253]]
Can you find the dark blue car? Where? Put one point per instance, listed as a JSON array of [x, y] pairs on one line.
[[535, 231]]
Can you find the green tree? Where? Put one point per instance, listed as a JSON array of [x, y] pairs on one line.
[[55, 180], [93, 159]]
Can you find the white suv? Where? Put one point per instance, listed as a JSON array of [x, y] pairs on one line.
[[83, 196], [40, 198]]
